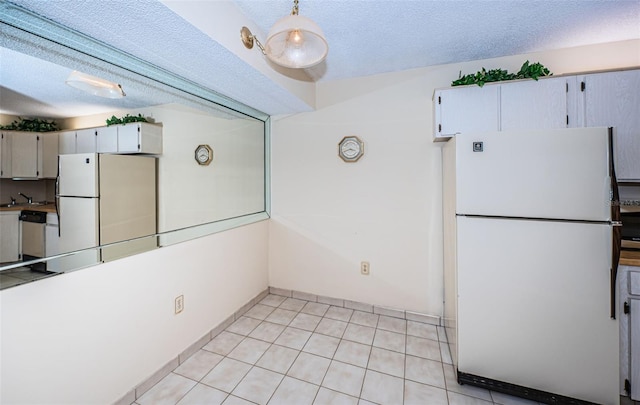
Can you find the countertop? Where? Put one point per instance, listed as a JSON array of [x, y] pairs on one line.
[[41, 208], [630, 258]]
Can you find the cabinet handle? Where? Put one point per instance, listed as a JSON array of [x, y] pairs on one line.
[[617, 229]]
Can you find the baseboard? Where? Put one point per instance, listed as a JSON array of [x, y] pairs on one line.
[[359, 306]]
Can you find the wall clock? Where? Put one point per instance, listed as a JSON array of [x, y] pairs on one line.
[[204, 155], [350, 149]]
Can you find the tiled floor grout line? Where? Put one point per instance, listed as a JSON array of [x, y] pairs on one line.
[[388, 327]]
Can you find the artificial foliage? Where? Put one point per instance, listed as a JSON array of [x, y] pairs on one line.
[[30, 125], [527, 71], [126, 119]]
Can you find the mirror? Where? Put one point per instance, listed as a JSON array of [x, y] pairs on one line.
[[226, 187]]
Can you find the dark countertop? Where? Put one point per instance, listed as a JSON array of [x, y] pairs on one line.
[[630, 258]]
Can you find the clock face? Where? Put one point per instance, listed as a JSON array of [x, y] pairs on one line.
[[350, 149], [204, 154]]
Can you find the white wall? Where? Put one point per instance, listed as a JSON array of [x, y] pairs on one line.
[[90, 336], [328, 215]]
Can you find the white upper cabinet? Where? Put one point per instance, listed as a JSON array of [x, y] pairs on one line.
[[612, 99], [543, 104], [5, 155], [67, 142], [139, 137], [107, 139], [24, 155], [86, 141], [462, 109], [608, 99], [48, 155], [33, 155]]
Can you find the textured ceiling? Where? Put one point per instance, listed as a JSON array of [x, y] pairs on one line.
[[365, 36], [375, 36]]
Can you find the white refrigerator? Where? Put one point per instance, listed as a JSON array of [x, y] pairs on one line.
[[530, 263], [103, 199]]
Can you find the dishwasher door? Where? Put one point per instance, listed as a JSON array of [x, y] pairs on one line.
[[33, 241]]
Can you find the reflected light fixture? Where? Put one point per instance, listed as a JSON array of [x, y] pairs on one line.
[[294, 41], [94, 85]]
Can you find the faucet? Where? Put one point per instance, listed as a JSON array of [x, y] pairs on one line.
[[13, 200], [29, 199]]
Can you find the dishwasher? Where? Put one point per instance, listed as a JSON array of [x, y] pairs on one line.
[[33, 238]]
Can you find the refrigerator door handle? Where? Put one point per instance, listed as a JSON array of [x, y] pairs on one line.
[[57, 191], [616, 218]]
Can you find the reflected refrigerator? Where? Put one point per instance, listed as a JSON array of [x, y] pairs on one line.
[[103, 199], [530, 263]]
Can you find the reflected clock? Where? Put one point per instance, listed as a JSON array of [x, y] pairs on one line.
[[204, 155]]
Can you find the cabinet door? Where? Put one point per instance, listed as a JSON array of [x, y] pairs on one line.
[[86, 141], [67, 142], [9, 237], [635, 349], [534, 104], [24, 155], [48, 155], [612, 99], [107, 139], [51, 235], [465, 109], [5, 155], [129, 138]]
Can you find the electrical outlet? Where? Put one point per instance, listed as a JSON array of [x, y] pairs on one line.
[[364, 268], [179, 303]]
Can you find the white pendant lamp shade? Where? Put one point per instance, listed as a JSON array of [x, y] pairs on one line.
[[94, 85], [296, 42]]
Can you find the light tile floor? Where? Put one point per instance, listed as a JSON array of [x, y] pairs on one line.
[[290, 351]]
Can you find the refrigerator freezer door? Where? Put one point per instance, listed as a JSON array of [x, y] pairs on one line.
[[127, 197], [127, 204], [558, 174], [533, 306], [78, 175], [78, 223]]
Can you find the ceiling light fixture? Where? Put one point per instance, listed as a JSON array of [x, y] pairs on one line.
[[94, 85], [294, 41]]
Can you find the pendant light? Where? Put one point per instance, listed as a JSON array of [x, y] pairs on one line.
[[294, 41], [94, 85]]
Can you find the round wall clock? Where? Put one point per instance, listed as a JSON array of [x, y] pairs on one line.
[[204, 155], [350, 149]]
